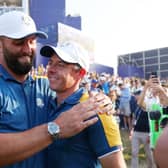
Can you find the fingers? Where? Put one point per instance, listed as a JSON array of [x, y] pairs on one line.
[[105, 105], [155, 81], [89, 122], [100, 103], [87, 115], [109, 112], [89, 105], [93, 93], [101, 96], [108, 109], [72, 122], [101, 99], [82, 112]]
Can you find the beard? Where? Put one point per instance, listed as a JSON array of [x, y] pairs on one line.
[[16, 66]]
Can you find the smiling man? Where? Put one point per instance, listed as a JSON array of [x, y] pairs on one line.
[[100, 143]]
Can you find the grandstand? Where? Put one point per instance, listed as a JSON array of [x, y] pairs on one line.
[[148, 61]]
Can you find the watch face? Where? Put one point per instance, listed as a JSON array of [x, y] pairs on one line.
[[53, 130]]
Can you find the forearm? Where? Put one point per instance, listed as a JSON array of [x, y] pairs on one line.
[[15, 147], [161, 149], [141, 98], [163, 98], [113, 160]]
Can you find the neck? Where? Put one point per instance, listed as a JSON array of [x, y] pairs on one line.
[[19, 78], [62, 95]]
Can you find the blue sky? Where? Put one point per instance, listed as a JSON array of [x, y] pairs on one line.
[[122, 26]]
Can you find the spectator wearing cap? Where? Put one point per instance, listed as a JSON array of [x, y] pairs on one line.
[[139, 135], [101, 143], [104, 84], [95, 87]]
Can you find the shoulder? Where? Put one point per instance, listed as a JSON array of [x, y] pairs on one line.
[[107, 127]]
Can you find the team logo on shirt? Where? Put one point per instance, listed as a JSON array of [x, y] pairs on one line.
[[39, 102]]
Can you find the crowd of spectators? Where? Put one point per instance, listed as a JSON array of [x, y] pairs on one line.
[[123, 93], [40, 71]]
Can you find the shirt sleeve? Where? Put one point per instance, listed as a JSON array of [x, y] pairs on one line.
[[104, 136]]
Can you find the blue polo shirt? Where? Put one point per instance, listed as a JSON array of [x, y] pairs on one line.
[[84, 149], [22, 107]]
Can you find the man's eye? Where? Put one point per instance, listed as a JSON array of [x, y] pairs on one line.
[[61, 64], [19, 42]]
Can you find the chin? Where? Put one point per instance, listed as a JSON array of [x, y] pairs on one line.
[[53, 87]]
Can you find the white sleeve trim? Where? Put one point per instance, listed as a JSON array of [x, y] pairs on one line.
[[109, 153]]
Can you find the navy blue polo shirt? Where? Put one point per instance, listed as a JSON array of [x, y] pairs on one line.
[[84, 149], [22, 107]]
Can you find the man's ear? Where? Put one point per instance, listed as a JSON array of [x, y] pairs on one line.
[[1, 52], [0, 44], [82, 72]]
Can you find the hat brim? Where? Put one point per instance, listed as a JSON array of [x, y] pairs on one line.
[[47, 51], [39, 34]]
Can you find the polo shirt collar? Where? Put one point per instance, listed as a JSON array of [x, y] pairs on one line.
[[75, 97]]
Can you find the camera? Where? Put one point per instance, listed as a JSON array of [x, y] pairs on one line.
[[154, 74], [158, 119]]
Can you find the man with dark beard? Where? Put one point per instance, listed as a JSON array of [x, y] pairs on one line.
[[25, 103]]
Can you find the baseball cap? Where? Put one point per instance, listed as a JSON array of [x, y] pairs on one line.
[[94, 81], [17, 25], [102, 78], [70, 52]]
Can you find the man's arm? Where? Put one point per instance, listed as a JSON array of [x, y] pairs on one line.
[[113, 160], [161, 92], [141, 98], [161, 149], [15, 147], [19, 146]]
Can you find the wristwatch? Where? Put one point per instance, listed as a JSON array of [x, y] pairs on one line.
[[53, 130]]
